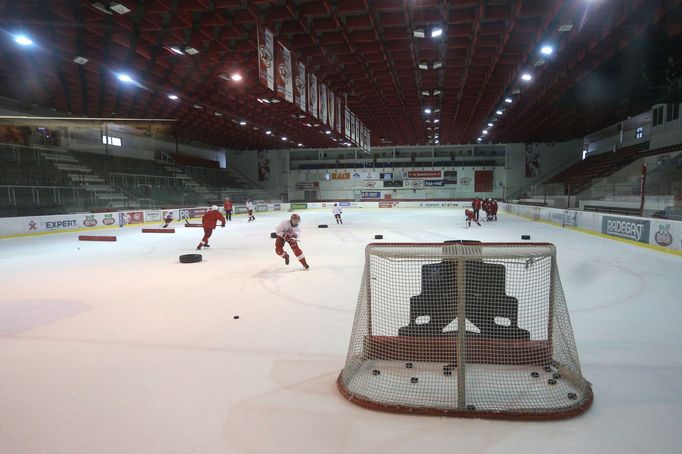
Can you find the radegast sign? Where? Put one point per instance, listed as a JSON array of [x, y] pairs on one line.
[[628, 228]]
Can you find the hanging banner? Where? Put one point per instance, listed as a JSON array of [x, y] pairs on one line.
[[353, 124], [323, 103], [299, 85], [330, 108], [284, 80], [312, 95], [338, 115], [266, 57], [346, 129]]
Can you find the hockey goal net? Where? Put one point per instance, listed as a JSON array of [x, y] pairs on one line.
[[464, 329]]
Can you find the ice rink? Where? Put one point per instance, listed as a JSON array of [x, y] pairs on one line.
[[119, 348]]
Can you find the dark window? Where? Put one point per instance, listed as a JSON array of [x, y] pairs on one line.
[[669, 113], [676, 111]]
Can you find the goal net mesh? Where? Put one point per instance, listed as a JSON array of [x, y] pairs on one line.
[[464, 329]]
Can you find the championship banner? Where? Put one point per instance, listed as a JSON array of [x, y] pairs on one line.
[[353, 125], [323, 103], [338, 115], [284, 80], [346, 129], [299, 85], [312, 95], [266, 58], [330, 108]]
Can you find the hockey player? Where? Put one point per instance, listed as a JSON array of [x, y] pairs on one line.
[[337, 213], [493, 210], [470, 216], [476, 205], [249, 210], [167, 219], [484, 207], [289, 231], [209, 222], [228, 209]]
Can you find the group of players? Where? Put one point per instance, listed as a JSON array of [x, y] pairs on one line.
[[289, 231], [489, 207]]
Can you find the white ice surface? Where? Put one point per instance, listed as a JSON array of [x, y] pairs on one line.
[[119, 348]]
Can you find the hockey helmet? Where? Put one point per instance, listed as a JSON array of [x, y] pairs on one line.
[[295, 219], [213, 208]]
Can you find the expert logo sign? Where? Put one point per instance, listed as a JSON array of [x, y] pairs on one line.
[[630, 229]]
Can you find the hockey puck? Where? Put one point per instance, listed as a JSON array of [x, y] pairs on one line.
[[376, 372], [551, 381], [535, 374], [236, 317], [409, 365], [525, 237], [414, 380], [378, 237], [572, 396], [273, 235], [471, 407], [548, 369], [190, 258], [322, 226], [447, 372], [556, 376]]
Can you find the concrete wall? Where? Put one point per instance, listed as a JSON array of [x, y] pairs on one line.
[[245, 164]]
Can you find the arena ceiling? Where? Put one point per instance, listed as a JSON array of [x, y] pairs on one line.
[[366, 49]]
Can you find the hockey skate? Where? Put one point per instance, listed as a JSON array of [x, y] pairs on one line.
[[286, 259]]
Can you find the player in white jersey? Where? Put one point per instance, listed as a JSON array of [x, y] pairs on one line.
[[289, 231], [337, 213], [249, 210]]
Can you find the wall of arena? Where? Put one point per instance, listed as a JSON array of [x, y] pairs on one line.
[[658, 234]]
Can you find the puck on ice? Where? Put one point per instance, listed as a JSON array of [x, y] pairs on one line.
[[190, 258]]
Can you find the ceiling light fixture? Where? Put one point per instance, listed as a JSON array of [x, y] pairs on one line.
[[173, 97], [217, 114], [284, 139], [485, 131], [268, 132], [242, 122], [546, 50], [80, 60], [236, 77], [436, 32], [508, 100], [197, 106], [498, 112], [490, 125], [125, 78], [191, 50], [437, 120], [427, 111], [175, 50], [23, 40]]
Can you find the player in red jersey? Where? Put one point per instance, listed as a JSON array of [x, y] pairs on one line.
[[228, 209], [493, 210], [470, 216], [209, 222], [289, 231], [476, 205]]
